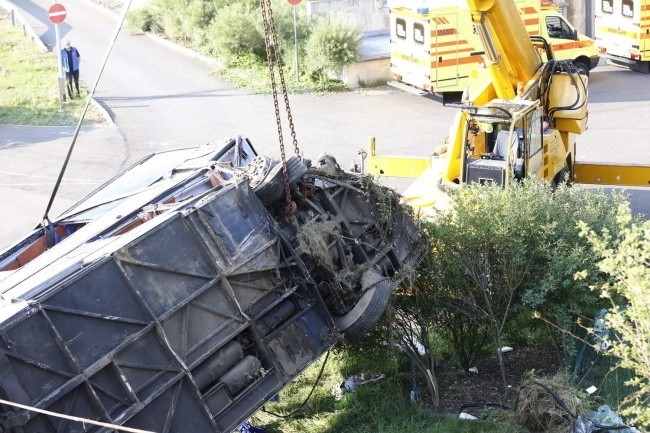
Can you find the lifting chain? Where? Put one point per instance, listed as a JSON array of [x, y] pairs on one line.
[[274, 58]]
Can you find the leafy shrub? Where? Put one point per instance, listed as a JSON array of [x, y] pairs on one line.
[[185, 20], [559, 298], [626, 260], [236, 31], [332, 45], [499, 255], [143, 19]]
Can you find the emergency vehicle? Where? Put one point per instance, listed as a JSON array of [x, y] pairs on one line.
[[623, 32], [434, 45]]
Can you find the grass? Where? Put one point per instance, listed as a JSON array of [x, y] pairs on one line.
[[246, 72], [609, 379], [381, 406], [28, 85]]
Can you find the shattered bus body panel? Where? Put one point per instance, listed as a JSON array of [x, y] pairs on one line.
[[191, 302]]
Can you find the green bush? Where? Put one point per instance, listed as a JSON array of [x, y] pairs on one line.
[[235, 31], [625, 258], [185, 20], [499, 255], [332, 45], [552, 292], [143, 19]]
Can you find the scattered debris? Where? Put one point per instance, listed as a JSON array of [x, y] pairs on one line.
[[247, 427], [605, 416], [353, 382]]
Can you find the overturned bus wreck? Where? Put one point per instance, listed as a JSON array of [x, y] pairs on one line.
[[177, 297]]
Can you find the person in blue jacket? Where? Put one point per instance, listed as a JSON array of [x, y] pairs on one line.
[[70, 60]]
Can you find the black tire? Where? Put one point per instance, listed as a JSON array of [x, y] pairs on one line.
[[582, 67], [271, 189], [296, 169], [366, 312], [561, 177]]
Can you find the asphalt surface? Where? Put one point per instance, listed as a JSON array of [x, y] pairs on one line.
[[157, 108]]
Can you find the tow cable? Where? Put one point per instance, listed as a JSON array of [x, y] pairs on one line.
[[47, 225], [274, 59]]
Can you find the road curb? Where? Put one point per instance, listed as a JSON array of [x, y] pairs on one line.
[[183, 50], [26, 27], [102, 110]]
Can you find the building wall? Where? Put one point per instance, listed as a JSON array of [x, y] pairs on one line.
[[371, 16], [580, 14]]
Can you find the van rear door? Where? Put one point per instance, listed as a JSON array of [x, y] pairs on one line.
[[449, 53], [409, 51]]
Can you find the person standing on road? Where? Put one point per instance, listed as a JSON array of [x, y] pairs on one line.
[[70, 61]]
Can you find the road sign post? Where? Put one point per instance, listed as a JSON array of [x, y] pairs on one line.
[[57, 14], [295, 3]]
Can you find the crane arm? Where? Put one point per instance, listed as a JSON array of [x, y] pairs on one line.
[[511, 56]]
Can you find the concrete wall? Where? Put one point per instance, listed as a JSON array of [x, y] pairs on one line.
[[580, 14], [367, 73], [371, 16]]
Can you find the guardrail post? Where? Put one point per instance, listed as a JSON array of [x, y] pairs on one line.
[[13, 19]]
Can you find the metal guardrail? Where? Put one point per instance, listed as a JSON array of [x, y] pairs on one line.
[[18, 20]]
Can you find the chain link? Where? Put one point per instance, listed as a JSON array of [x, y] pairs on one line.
[[274, 60]]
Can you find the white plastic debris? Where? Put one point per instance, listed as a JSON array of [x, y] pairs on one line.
[[464, 415], [473, 369], [506, 349], [591, 389]]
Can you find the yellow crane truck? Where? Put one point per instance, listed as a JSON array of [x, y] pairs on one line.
[[434, 46], [519, 119]]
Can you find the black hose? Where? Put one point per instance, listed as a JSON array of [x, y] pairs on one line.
[[320, 373]]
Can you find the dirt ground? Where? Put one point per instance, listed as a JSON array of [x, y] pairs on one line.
[[461, 387]]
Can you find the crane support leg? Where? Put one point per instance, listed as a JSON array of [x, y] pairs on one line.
[[611, 174]]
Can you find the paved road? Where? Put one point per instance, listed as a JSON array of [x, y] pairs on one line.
[[161, 98]]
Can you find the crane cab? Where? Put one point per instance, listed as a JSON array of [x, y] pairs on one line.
[[505, 140]]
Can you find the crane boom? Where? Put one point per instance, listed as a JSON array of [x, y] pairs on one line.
[[511, 57]]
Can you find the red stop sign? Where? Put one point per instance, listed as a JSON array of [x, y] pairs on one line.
[[56, 13], [294, 2]]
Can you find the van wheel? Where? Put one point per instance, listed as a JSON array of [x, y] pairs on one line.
[[582, 67], [367, 311]]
